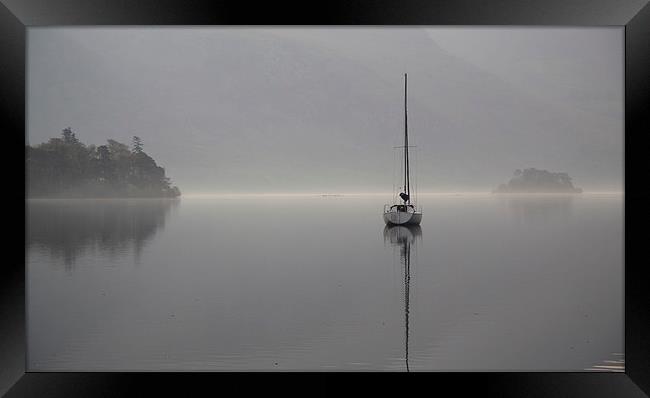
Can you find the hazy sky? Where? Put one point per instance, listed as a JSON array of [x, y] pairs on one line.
[[320, 109]]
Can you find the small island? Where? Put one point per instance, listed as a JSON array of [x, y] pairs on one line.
[[67, 168], [533, 180]]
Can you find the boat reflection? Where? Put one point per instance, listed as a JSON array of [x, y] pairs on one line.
[[403, 238]]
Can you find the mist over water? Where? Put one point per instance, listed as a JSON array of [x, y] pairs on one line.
[[509, 282], [259, 110]]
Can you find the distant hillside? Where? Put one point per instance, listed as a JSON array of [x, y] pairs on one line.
[[65, 167], [538, 181]]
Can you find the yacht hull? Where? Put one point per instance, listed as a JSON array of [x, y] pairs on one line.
[[402, 218]]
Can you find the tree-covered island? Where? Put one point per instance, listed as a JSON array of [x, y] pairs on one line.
[[538, 181], [67, 168]]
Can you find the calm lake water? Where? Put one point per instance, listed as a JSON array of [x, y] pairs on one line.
[[488, 283]]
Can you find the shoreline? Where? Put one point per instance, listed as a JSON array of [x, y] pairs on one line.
[[343, 195]]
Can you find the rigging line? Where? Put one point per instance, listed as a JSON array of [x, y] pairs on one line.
[[412, 183], [401, 170], [397, 170], [416, 186], [393, 180]]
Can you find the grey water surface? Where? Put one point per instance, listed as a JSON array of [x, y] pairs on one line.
[[487, 283]]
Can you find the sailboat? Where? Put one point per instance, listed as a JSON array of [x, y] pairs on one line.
[[404, 212]]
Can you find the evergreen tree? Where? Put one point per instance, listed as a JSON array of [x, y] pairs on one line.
[[136, 144]]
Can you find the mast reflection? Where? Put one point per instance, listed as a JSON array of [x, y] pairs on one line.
[[403, 237]]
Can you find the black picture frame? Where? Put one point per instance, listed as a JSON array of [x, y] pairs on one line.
[[634, 15]]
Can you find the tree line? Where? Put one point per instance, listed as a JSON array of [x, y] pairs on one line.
[[66, 167]]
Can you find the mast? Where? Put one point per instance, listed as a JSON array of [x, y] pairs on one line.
[[407, 187]]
